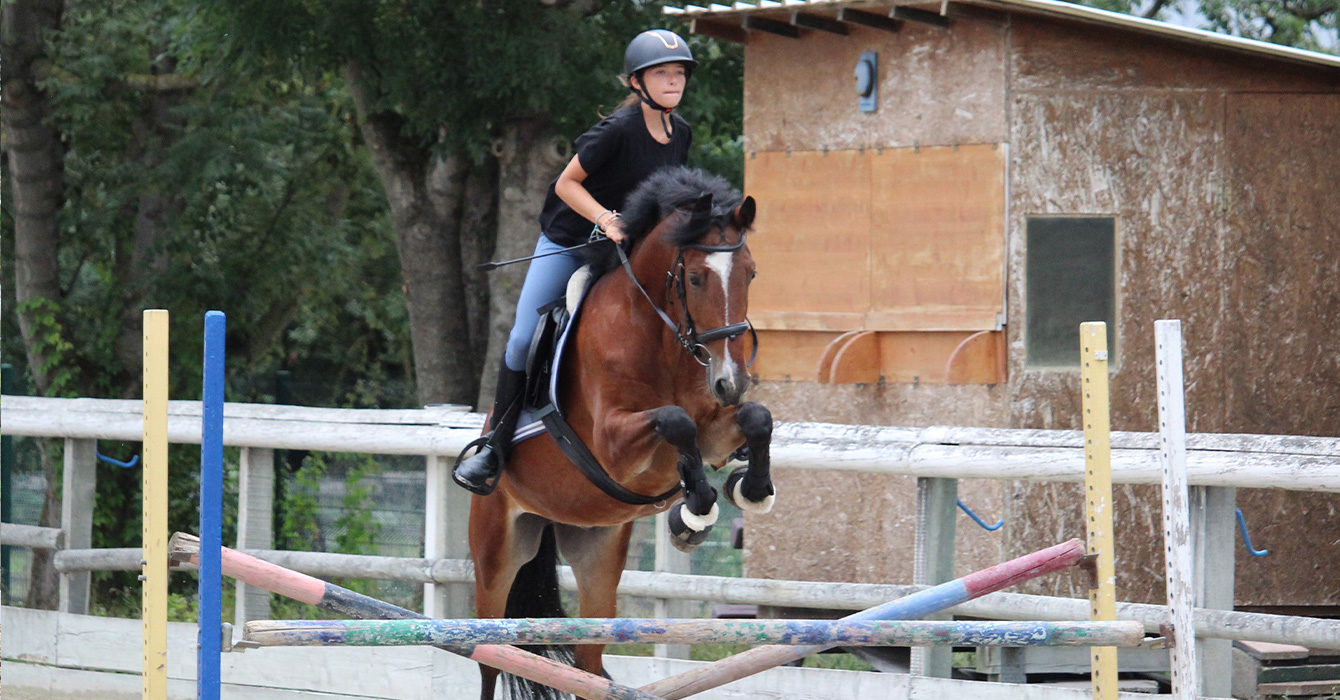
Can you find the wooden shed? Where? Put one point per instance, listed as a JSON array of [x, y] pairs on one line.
[[947, 189]]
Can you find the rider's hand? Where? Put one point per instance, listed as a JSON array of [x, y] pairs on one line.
[[614, 231]]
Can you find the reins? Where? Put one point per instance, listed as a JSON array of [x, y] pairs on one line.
[[693, 342]]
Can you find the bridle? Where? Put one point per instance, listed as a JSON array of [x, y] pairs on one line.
[[687, 335]]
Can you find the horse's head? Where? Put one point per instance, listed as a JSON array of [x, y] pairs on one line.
[[689, 230], [710, 281]]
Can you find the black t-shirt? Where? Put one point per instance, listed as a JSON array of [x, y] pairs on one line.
[[617, 154]]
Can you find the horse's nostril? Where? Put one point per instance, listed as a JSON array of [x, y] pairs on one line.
[[723, 387]]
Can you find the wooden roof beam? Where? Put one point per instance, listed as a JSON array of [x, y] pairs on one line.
[[805, 19], [771, 26], [912, 14], [717, 30], [868, 19]]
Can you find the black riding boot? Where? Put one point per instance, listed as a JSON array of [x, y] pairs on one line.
[[480, 472]]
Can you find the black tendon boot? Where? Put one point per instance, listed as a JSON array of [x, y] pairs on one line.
[[480, 472]]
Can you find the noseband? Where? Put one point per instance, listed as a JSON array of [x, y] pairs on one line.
[[689, 338]]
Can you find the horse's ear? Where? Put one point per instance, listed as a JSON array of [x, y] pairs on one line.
[[744, 214], [701, 207]]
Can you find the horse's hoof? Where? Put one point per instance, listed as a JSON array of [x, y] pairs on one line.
[[734, 482], [687, 530]]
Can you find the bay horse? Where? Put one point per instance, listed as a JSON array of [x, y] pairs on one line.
[[652, 396]]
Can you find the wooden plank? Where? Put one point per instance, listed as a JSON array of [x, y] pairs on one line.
[[1268, 651], [1297, 688], [857, 361], [791, 356], [812, 247], [32, 536], [1292, 674], [717, 30], [578, 630], [937, 514], [255, 525], [938, 230], [154, 506], [978, 359], [825, 364], [1098, 498], [1213, 548], [1184, 668], [78, 486]]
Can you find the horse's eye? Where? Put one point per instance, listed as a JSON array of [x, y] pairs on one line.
[[752, 275], [695, 279]]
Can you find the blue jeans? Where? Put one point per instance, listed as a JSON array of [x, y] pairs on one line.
[[546, 280]]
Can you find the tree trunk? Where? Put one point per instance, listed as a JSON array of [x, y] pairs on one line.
[[36, 179], [529, 158], [424, 195], [479, 228], [36, 175]]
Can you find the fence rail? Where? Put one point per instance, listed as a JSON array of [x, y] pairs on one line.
[[1214, 460], [1299, 463]]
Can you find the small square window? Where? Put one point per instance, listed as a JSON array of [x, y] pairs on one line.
[[1071, 278]]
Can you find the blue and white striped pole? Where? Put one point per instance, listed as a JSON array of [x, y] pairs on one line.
[[210, 582]]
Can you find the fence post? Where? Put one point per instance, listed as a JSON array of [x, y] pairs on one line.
[[1213, 546], [255, 525], [78, 485], [670, 560], [937, 500], [6, 483], [446, 529]]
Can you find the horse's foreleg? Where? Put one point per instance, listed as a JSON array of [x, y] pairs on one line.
[[691, 519], [750, 488], [499, 544], [597, 556]]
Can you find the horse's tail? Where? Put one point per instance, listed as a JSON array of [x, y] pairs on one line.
[[535, 594]]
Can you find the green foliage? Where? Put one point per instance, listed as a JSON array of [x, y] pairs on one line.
[[1306, 24], [49, 342], [358, 530]]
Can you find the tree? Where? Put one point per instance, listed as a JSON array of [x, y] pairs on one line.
[[1307, 24], [443, 90], [135, 183]]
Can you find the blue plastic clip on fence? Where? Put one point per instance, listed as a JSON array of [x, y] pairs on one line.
[[134, 461], [990, 528], [1247, 539]]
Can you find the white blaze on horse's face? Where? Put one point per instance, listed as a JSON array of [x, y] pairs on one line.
[[721, 284]]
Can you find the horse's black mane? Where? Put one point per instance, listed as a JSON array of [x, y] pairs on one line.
[[659, 196]]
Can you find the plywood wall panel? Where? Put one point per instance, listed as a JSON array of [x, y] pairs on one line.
[[937, 87], [812, 246], [937, 239]]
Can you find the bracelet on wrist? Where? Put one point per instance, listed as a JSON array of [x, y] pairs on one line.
[[601, 217]]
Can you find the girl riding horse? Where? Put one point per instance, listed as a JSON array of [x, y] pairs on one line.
[[612, 158]]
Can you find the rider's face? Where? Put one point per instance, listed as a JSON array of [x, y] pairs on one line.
[[665, 83]]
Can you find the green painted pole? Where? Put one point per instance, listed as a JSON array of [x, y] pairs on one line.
[[578, 630]]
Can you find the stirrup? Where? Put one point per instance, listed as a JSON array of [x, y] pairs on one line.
[[487, 487]]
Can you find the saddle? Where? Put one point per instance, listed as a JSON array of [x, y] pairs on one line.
[[540, 410]]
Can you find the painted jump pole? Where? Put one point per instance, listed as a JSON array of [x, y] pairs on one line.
[[328, 596], [1176, 509], [154, 507], [1095, 403], [209, 584], [918, 604], [579, 630]]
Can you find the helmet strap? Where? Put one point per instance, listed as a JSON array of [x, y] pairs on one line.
[[641, 92]]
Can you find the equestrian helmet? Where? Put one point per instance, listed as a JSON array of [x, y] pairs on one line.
[[654, 47]]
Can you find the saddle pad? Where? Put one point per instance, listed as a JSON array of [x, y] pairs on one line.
[[529, 424]]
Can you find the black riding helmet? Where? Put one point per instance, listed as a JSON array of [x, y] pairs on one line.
[[652, 48]]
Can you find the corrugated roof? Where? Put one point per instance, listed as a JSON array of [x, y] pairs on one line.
[[1053, 8]]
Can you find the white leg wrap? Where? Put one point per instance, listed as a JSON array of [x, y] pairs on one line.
[[698, 523], [762, 506]]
